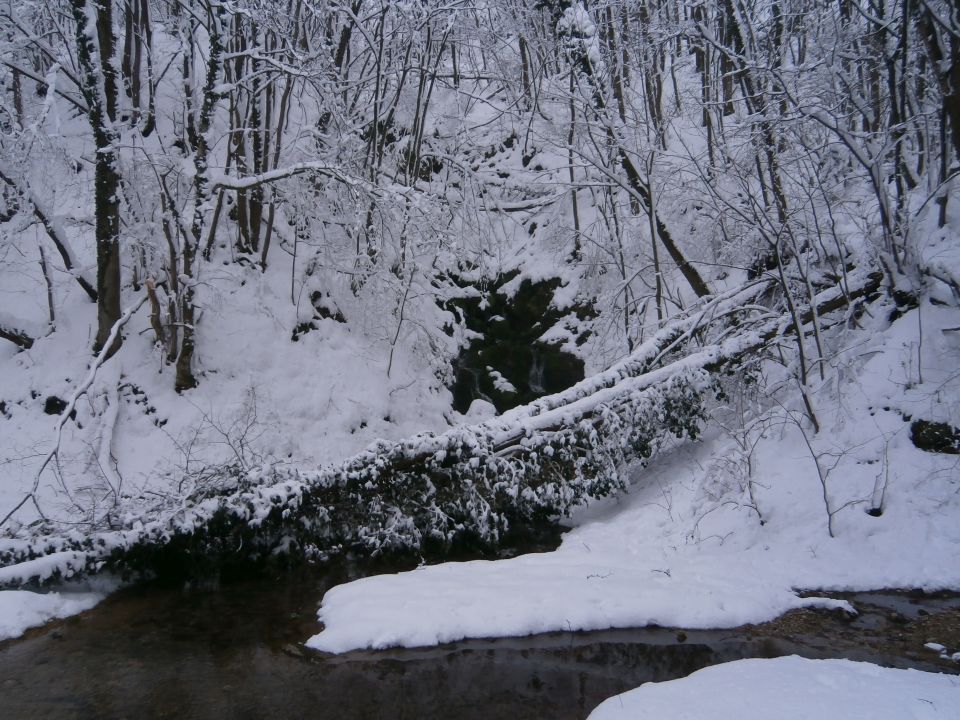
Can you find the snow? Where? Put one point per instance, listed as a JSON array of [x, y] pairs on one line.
[[480, 410], [942, 650], [537, 593], [577, 24], [22, 609], [686, 547], [500, 382], [60, 564], [321, 399], [637, 567], [731, 531], [791, 688]]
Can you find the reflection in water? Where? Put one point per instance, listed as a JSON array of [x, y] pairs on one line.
[[154, 652]]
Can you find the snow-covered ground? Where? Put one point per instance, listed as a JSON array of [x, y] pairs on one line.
[[791, 688], [687, 548], [321, 398], [756, 520], [21, 610]]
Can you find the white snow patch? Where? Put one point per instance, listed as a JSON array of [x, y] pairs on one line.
[[480, 410], [791, 688], [500, 382], [22, 609]]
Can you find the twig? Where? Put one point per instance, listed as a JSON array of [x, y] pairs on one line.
[[80, 390]]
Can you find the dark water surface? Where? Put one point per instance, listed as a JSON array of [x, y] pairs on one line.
[[235, 652]]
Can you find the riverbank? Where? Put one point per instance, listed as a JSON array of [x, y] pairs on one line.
[[722, 532]]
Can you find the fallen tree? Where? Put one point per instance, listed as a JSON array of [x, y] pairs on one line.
[[472, 483]]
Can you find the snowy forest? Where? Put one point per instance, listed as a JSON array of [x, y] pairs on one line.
[[405, 290]]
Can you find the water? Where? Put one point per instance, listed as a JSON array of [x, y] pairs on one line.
[[234, 652]]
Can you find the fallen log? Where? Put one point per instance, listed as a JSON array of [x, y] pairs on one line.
[[472, 483], [15, 335], [20, 333]]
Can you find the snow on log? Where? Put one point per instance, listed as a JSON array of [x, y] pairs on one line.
[[18, 332], [470, 484]]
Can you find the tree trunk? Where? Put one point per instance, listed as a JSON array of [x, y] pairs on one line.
[[95, 48]]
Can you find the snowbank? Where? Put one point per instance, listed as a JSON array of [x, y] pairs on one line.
[[687, 548], [791, 688], [669, 555], [21, 609]]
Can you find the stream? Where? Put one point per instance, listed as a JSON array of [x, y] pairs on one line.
[[233, 650]]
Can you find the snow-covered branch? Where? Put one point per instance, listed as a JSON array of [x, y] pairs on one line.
[[247, 182], [103, 356], [54, 228]]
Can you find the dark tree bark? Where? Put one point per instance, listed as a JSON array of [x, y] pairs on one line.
[[943, 49], [17, 336], [200, 142], [95, 49]]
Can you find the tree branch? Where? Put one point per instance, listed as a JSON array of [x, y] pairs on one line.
[[54, 230], [18, 337], [231, 182]]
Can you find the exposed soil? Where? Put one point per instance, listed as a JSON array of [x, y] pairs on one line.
[[891, 625]]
